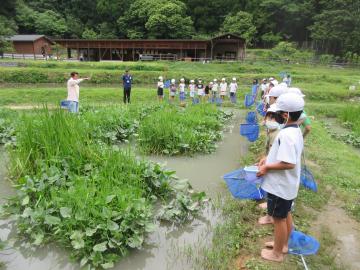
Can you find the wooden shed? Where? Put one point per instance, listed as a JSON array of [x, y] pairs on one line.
[[32, 44], [224, 47]]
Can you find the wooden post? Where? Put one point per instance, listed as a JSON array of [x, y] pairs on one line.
[[99, 52], [33, 51], [133, 53], [110, 51]]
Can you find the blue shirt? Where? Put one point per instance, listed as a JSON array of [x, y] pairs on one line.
[[127, 80]]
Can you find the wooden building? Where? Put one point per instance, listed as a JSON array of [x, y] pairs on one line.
[[224, 47], [32, 44]]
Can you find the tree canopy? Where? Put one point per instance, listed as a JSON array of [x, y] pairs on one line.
[[328, 26]]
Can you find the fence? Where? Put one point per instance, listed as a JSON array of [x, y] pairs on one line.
[[340, 63]]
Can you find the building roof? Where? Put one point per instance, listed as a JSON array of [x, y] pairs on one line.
[[28, 38]]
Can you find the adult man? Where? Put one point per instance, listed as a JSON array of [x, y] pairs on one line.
[[127, 81], [74, 91]]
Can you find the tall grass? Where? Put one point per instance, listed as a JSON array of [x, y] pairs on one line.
[[351, 116], [174, 131], [88, 197]]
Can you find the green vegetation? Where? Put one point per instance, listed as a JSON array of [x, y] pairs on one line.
[[95, 200], [261, 22], [175, 131]]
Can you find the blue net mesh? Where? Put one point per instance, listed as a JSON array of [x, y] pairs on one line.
[[182, 96], [250, 131], [307, 179], [249, 100], [302, 244], [196, 101], [254, 89], [167, 84], [251, 118], [260, 109], [64, 104], [241, 188], [233, 99]]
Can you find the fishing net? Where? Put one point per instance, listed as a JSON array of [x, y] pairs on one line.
[[251, 118], [196, 101], [307, 179], [233, 99], [167, 84], [254, 89], [242, 189], [218, 101], [261, 109], [250, 131], [249, 100], [64, 104], [302, 244]]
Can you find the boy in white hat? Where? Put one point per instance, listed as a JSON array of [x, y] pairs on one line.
[[192, 90], [200, 89], [160, 88], [172, 90], [274, 93], [233, 88], [182, 91], [281, 172], [214, 90], [223, 88]]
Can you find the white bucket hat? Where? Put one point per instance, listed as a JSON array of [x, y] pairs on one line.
[[289, 102], [223, 79], [276, 91], [172, 80], [192, 81], [160, 78], [182, 80], [296, 91], [215, 80], [234, 79]]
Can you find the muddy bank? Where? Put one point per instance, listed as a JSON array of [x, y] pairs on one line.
[[163, 247]]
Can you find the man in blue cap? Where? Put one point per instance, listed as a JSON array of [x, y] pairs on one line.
[[127, 81]]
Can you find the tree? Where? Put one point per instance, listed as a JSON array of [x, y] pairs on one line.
[[50, 23], [156, 19], [241, 24], [89, 34], [7, 28], [170, 21]]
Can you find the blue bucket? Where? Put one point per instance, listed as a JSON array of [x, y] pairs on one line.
[[64, 104]]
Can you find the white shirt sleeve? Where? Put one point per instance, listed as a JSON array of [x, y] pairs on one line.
[[287, 150]]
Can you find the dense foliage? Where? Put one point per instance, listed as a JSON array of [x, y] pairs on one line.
[[78, 189], [263, 22]]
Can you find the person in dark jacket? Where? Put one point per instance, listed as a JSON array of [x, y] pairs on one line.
[[127, 81]]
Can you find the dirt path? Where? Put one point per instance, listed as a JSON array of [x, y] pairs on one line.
[[345, 230]]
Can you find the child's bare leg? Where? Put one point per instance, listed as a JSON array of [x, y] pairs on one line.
[[289, 225], [280, 234]]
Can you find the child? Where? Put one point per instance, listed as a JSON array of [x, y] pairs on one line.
[[214, 90], [233, 89], [182, 91], [208, 89], [160, 88], [200, 89], [192, 90], [274, 93], [281, 172], [272, 130], [304, 121], [223, 88], [172, 90]]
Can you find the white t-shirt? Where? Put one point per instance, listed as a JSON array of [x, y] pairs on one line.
[[215, 87], [73, 89], [192, 90], [182, 87], [160, 84], [264, 86], [287, 147], [233, 87], [223, 87]]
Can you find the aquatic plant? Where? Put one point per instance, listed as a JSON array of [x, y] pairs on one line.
[[174, 131], [90, 198]]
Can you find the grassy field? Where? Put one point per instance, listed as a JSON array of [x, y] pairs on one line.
[[155, 128]]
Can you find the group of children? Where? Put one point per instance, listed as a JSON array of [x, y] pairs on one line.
[[287, 125], [198, 90]]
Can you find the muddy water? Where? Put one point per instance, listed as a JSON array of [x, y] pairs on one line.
[[164, 249]]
